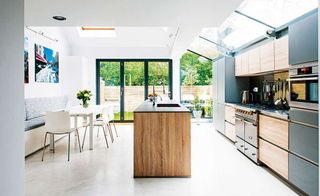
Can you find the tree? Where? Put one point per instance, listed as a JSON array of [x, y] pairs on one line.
[[191, 76], [203, 69]]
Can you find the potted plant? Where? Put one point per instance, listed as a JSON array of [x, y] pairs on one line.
[[84, 96], [197, 112]]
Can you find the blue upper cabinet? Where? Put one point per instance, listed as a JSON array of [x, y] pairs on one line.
[[303, 40]]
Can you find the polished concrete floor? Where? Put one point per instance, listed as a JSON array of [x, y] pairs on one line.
[[217, 169]]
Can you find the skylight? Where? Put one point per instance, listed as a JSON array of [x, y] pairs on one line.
[[204, 48], [238, 30], [97, 32], [277, 12]]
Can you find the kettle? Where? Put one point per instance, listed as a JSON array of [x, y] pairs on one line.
[[245, 97]]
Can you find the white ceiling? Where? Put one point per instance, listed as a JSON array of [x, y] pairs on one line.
[[132, 19], [174, 13], [125, 37]]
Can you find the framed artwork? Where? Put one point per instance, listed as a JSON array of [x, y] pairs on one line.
[[46, 65], [26, 60]]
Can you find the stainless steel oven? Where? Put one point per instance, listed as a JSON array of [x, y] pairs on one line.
[[303, 83], [247, 132]]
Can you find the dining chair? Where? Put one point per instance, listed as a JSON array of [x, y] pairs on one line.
[[58, 123], [101, 123]]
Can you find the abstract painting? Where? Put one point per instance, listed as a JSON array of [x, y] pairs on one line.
[[26, 61], [46, 65]]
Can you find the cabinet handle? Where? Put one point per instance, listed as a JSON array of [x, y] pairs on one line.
[[253, 154], [250, 137], [241, 146], [245, 148]]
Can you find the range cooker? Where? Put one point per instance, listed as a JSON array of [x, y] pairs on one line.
[[247, 132]]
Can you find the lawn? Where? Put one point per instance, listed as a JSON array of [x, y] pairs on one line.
[[127, 116]]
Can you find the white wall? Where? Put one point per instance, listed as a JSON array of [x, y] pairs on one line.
[[75, 68], [72, 69], [37, 89], [11, 101]]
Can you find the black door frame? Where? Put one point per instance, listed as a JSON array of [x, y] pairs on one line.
[[146, 79]]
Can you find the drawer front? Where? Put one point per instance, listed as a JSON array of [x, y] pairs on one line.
[[240, 128], [274, 157], [230, 131], [304, 116], [274, 130], [251, 133], [304, 175], [304, 141], [229, 114], [251, 152], [240, 144]]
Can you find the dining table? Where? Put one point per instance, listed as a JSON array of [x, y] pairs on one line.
[[88, 114]]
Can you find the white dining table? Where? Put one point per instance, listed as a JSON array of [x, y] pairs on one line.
[[78, 111]]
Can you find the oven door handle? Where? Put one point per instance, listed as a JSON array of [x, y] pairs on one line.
[[303, 79]]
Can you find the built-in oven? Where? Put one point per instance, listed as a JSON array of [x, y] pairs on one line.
[[303, 83]]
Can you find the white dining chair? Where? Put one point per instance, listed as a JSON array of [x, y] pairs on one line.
[[101, 123], [58, 123]]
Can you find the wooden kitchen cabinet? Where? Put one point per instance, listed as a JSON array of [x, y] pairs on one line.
[[274, 130], [267, 57], [281, 51], [230, 114], [254, 60], [229, 125], [245, 63], [274, 157], [230, 131]]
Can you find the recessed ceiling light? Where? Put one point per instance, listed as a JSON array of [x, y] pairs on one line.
[[60, 18]]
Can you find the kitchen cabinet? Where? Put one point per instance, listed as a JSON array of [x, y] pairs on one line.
[[254, 60], [303, 40], [281, 52], [226, 88], [267, 57], [238, 65], [274, 130], [304, 141], [245, 63], [304, 175], [274, 157], [230, 131], [229, 116], [303, 134]]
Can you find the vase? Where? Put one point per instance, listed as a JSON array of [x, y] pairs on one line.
[[197, 114], [85, 105]]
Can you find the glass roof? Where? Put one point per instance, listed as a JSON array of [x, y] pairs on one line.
[[277, 12], [238, 30], [204, 48]]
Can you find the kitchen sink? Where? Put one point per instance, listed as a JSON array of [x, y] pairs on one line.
[[173, 105]]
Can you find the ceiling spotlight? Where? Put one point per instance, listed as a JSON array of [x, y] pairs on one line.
[[60, 18]]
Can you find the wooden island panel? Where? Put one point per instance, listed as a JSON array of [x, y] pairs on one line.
[[162, 144]]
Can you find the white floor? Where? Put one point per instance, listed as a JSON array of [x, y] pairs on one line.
[[217, 169]]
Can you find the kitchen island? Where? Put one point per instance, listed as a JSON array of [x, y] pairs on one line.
[[162, 140]]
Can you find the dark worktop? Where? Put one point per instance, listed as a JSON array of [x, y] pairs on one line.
[[148, 107], [281, 114]]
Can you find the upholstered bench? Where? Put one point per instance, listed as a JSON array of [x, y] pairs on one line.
[[35, 109]]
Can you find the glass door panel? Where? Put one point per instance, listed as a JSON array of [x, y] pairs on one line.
[[158, 77], [110, 85], [133, 87]]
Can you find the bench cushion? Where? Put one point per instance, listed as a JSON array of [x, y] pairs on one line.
[[36, 107], [34, 123]]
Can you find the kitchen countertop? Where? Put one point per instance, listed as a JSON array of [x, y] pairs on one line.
[[281, 114], [148, 107]]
